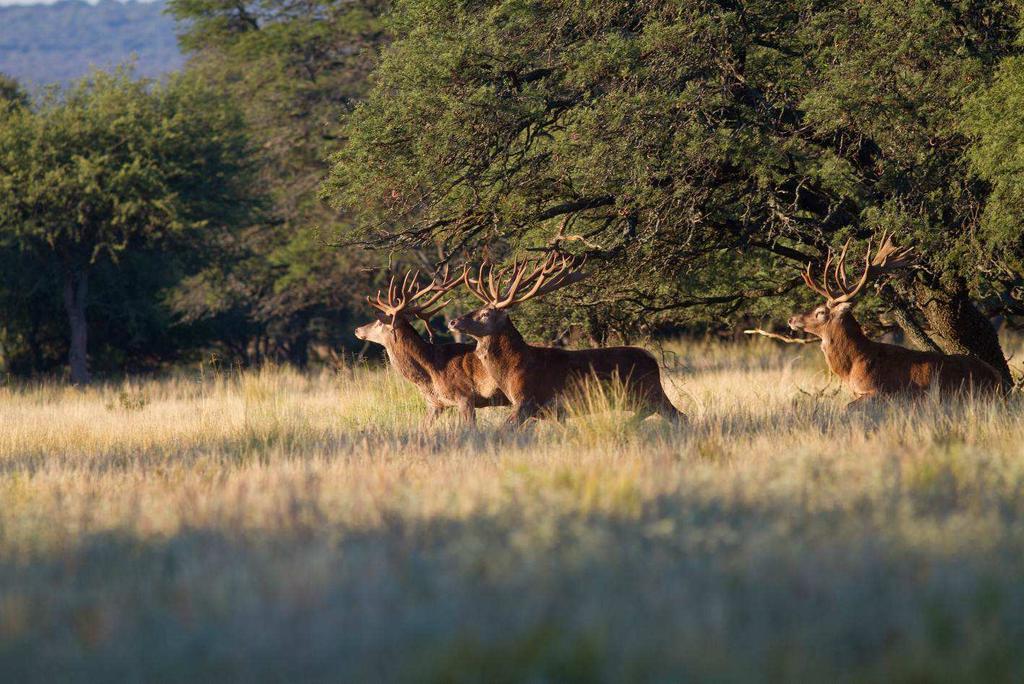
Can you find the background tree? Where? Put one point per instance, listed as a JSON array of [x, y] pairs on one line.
[[294, 69], [102, 181], [702, 150], [11, 92], [995, 118]]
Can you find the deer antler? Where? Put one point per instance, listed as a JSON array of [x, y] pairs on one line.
[[502, 290], [887, 258], [412, 299], [476, 285]]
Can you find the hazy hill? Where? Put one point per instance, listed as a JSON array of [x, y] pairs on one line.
[[46, 43]]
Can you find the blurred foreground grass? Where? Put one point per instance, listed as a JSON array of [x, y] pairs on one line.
[[278, 526]]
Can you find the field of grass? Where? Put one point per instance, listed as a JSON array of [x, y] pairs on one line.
[[277, 526]]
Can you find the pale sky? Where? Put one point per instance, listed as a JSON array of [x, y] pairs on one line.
[[25, 2], [4, 3]]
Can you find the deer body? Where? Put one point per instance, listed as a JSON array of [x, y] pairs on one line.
[[534, 377], [447, 375], [877, 369], [873, 369]]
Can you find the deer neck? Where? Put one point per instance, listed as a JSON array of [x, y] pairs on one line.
[[410, 354], [843, 343], [505, 345]]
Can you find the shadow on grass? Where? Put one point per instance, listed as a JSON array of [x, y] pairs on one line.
[[692, 587]]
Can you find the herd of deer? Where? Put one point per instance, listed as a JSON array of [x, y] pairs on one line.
[[502, 369]]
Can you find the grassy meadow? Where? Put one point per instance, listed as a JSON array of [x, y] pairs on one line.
[[276, 526]]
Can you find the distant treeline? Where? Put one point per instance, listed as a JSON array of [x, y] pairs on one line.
[[699, 154], [41, 44], [143, 224]]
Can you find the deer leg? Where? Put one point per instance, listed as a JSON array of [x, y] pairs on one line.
[[664, 409], [467, 411], [656, 401], [433, 411], [667, 410], [521, 411], [862, 401]]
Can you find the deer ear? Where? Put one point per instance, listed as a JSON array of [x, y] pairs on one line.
[[840, 309]]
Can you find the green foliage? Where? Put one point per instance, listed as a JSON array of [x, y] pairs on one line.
[[698, 152], [693, 147], [995, 117], [114, 160], [11, 92], [294, 70], [120, 182]]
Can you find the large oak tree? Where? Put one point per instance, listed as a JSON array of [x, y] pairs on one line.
[[704, 150]]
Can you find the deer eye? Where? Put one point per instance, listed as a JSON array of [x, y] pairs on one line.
[[820, 314]]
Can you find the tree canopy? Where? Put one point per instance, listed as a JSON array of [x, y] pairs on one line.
[[294, 70], [995, 120], [698, 152], [111, 172], [702, 150], [11, 92]]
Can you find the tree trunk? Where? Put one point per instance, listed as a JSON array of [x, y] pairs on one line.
[[33, 344], [76, 290], [960, 328], [298, 350], [901, 312]]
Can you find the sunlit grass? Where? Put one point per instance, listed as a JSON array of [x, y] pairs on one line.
[[270, 524]]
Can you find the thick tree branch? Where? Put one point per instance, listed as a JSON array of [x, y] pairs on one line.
[[572, 207], [777, 336], [782, 250], [905, 319], [745, 295]]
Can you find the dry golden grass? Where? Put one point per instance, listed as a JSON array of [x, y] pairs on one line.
[[278, 526]]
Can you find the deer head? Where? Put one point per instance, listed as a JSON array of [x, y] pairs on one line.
[[512, 285], [839, 295], [405, 300]]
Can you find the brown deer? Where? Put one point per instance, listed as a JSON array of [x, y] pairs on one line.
[[448, 375], [534, 377], [874, 369]]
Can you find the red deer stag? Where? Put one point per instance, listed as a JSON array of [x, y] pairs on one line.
[[533, 377], [874, 369], [448, 375]]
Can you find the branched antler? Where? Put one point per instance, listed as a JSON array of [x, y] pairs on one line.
[[505, 288], [887, 258], [412, 299]]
